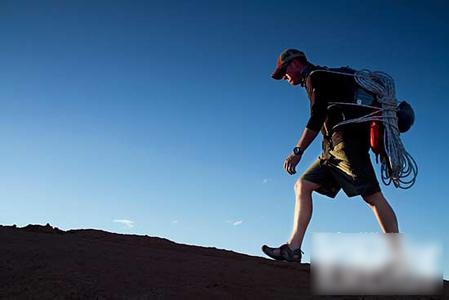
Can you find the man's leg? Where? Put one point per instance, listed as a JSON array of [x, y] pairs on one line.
[[302, 214], [383, 212], [388, 222], [303, 211]]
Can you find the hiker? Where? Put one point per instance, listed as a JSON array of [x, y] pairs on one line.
[[344, 162]]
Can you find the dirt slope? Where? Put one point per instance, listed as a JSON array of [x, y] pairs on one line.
[[43, 262]]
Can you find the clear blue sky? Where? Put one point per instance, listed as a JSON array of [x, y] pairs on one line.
[[164, 113]]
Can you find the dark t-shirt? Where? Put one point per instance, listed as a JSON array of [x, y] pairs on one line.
[[324, 87]]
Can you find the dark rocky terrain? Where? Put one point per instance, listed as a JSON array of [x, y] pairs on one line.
[[43, 262]]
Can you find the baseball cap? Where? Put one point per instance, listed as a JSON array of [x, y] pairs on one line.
[[284, 58]]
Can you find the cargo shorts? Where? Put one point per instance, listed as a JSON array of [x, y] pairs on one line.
[[345, 166]]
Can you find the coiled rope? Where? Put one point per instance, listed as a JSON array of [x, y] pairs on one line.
[[399, 166]]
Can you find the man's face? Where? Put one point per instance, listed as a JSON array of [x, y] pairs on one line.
[[293, 72]]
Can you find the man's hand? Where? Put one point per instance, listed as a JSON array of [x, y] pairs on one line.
[[291, 162]]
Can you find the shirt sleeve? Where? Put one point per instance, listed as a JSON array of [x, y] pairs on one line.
[[318, 104]]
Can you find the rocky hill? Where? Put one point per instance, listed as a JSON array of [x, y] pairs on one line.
[[43, 262]]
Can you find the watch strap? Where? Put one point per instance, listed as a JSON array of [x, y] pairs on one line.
[[298, 151]]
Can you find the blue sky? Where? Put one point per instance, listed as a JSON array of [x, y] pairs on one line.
[[165, 114]]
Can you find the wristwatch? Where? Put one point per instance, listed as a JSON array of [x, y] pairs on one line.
[[298, 151]]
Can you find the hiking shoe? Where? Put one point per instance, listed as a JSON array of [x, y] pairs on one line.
[[291, 255], [283, 253], [271, 252]]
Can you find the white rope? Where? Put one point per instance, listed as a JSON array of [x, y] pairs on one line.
[[400, 167]]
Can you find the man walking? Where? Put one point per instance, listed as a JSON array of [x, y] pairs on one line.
[[344, 162]]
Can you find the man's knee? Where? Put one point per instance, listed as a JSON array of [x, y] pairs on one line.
[[304, 187], [373, 199]]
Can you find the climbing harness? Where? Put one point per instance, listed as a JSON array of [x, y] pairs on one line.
[[377, 92]]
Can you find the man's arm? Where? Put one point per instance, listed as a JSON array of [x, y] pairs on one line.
[[292, 160], [307, 137], [318, 110]]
